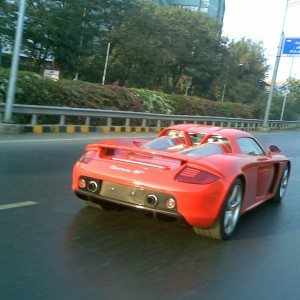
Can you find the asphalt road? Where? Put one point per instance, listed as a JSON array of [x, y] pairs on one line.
[[56, 248]]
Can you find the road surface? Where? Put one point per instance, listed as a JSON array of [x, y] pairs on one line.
[[53, 247]]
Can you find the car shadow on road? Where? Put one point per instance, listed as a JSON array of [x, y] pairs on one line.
[[140, 252], [268, 219], [131, 225]]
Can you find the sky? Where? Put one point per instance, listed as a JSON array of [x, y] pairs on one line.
[[263, 20]]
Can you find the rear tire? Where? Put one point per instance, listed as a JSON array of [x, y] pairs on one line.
[[229, 215], [282, 185]]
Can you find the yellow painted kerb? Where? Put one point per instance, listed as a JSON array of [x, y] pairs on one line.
[[38, 129], [84, 128], [70, 128], [106, 129], [118, 129]]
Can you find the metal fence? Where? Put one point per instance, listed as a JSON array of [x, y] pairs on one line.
[[35, 115]]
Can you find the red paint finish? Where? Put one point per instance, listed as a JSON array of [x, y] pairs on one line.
[[198, 179]]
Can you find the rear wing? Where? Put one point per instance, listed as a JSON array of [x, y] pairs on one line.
[[106, 150]]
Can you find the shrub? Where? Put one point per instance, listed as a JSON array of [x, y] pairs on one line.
[[155, 102], [35, 89]]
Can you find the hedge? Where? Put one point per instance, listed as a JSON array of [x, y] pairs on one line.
[[35, 89]]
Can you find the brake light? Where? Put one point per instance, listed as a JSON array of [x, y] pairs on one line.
[[87, 156], [195, 176]]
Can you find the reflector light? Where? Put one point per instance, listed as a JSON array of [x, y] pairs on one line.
[[195, 176], [170, 203], [82, 183]]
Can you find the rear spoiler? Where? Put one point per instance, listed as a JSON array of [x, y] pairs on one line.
[[104, 147], [172, 156]]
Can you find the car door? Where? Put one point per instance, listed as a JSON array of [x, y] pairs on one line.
[[263, 165]]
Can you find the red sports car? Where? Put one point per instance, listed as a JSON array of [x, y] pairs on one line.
[[205, 175]]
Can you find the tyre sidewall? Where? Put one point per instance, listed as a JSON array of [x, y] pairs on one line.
[[223, 234], [277, 198]]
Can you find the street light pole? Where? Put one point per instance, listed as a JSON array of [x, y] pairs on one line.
[[270, 97], [15, 64], [286, 92], [106, 62], [225, 83], [278, 56], [237, 66]]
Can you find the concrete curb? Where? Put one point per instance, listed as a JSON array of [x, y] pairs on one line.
[[39, 129], [7, 128]]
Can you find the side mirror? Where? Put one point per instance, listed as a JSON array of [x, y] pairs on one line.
[[273, 149]]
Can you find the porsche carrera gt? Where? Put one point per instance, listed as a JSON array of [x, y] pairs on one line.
[[205, 175]]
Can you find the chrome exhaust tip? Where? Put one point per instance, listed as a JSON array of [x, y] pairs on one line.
[[92, 186], [151, 200]]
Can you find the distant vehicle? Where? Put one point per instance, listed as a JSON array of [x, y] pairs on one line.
[[208, 176]]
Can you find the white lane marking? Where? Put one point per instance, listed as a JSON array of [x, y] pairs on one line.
[[73, 139], [18, 204], [49, 140]]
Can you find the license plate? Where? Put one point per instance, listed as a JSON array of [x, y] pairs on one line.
[[123, 193]]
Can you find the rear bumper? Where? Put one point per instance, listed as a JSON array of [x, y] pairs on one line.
[[97, 199], [128, 195], [198, 205]]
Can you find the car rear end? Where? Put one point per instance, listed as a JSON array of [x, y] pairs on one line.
[[154, 181]]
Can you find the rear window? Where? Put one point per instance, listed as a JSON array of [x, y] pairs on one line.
[[161, 143], [204, 150]]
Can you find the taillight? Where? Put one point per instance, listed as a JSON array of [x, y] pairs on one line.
[[195, 176], [82, 183], [87, 156]]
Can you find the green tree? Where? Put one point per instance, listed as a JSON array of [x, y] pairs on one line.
[[36, 44], [155, 47], [194, 44], [244, 69], [38, 34], [81, 46], [290, 92], [73, 34], [8, 16], [162, 46]]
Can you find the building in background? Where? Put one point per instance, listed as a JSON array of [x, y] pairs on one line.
[[214, 8]]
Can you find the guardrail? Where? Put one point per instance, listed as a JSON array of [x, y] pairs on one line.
[[105, 119]]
